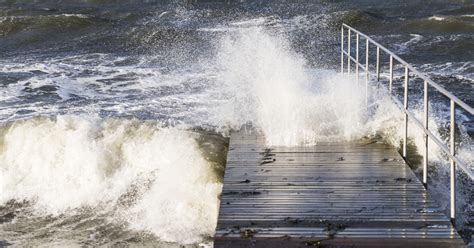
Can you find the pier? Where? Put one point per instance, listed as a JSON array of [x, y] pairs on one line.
[[355, 193], [339, 194]]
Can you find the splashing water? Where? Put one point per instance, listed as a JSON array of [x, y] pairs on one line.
[[156, 178], [270, 86], [73, 162]]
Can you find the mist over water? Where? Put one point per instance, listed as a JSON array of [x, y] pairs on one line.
[[117, 131]]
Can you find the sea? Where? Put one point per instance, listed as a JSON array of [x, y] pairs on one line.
[[115, 115]]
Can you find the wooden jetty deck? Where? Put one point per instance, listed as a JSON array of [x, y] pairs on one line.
[[359, 194]]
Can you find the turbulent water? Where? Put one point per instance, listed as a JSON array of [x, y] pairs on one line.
[[115, 114]]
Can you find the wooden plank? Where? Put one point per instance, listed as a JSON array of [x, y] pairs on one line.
[[335, 193]]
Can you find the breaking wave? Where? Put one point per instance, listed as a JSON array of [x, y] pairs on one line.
[[161, 179], [154, 178]]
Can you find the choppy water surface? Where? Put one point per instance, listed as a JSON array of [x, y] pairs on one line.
[[115, 114]]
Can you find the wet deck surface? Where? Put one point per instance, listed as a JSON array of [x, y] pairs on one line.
[[332, 194]]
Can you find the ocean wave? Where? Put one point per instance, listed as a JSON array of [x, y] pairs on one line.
[[440, 23], [356, 18], [152, 178], [406, 47], [46, 23], [464, 71]]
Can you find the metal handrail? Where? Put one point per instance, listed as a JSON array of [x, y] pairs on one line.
[[454, 101]]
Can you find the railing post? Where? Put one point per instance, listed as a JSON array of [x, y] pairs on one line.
[[342, 49], [357, 59], [454, 102], [390, 82], [367, 71], [378, 63], [405, 105], [348, 50], [453, 164], [425, 118]]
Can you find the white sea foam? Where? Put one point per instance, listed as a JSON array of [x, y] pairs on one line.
[[75, 162], [406, 46], [459, 70], [437, 18], [271, 87], [74, 15]]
